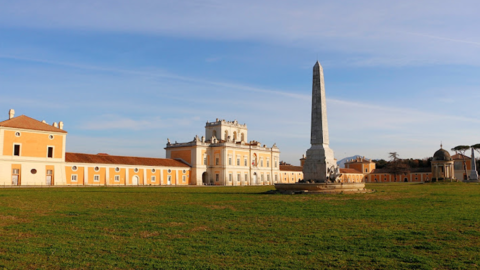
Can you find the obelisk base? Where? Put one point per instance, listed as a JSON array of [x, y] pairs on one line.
[[319, 164]]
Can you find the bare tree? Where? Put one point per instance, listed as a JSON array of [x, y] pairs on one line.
[[462, 149]]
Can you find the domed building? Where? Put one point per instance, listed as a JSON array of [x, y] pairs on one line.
[[442, 165]]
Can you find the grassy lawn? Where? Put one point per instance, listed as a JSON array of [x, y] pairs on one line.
[[422, 226]]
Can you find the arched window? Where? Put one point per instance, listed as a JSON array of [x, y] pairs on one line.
[[214, 133], [226, 135], [234, 136], [242, 137]]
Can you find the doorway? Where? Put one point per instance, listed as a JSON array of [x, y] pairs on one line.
[[205, 178], [255, 178], [15, 177], [49, 179], [135, 180]]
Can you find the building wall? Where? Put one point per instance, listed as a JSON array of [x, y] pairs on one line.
[[33, 144]]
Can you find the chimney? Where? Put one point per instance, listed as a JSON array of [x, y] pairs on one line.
[[55, 124], [43, 121], [11, 113], [60, 125]]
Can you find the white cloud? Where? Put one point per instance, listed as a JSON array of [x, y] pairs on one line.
[[406, 32]]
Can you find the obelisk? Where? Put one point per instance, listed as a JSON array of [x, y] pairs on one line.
[[320, 161], [473, 172]]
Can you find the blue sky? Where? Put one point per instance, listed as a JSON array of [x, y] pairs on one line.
[[126, 75]]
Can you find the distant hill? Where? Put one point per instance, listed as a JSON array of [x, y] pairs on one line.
[[341, 163]]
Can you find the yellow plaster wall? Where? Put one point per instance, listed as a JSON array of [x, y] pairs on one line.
[[148, 181], [165, 177], [80, 175], [187, 177], [91, 173], [112, 173], [131, 173], [33, 144], [183, 154]]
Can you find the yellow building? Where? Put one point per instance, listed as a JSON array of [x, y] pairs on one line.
[[33, 154]]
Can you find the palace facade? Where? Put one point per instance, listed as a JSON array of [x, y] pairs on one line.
[[32, 153]]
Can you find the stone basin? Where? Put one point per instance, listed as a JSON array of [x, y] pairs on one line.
[[327, 188]]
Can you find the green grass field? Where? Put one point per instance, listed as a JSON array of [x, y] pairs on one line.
[[422, 226]]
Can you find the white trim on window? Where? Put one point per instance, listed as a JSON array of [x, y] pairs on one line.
[[96, 178], [74, 178], [117, 178]]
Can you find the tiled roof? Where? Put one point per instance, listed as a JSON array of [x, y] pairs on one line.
[[381, 171], [26, 122], [460, 157], [291, 168], [421, 169], [411, 170], [348, 170], [122, 160]]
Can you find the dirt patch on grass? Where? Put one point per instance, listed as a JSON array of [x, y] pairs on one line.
[[221, 207], [199, 229], [175, 224], [9, 220], [147, 234]]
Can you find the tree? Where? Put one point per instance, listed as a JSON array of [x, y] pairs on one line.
[[380, 163], [462, 149], [396, 166], [393, 156], [476, 147]]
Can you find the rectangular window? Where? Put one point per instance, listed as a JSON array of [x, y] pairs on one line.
[[276, 164], [261, 177], [229, 161], [216, 161], [16, 150], [268, 163], [268, 177], [245, 163], [50, 152], [117, 178], [238, 161], [16, 171], [217, 177], [74, 178], [230, 177], [205, 160], [153, 178], [49, 172], [246, 177], [184, 178], [276, 178], [238, 177], [96, 178], [261, 162]]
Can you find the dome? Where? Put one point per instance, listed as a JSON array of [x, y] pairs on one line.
[[442, 154]]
